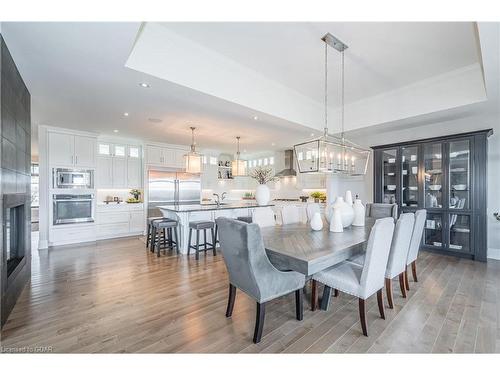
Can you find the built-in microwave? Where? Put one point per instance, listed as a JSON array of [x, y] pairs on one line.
[[73, 178], [73, 208]]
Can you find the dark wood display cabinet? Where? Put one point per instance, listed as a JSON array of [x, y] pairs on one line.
[[448, 177]]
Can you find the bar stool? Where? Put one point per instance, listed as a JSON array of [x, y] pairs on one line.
[[150, 229], [198, 226], [170, 236]]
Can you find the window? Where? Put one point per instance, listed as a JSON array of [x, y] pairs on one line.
[[260, 162], [133, 152], [213, 160], [119, 150], [35, 179], [265, 161], [271, 160], [104, 149], [204, 159]]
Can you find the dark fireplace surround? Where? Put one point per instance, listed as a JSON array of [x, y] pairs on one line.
[[14, 233]]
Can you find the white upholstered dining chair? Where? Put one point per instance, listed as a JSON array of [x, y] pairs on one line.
[[290, 215], [362, 281], [263, 217], [396, 265], [416, 239]]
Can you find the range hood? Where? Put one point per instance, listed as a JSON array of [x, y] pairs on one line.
[[289, 171]]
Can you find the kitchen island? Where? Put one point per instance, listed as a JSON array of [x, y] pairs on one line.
[[193, 212]]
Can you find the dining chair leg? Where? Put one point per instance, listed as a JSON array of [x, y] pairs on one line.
[[380, 301], [189, 240], [148, 236], [362, 316], [406, 279], [402, 284], [335, 292], [176, 233], [259, 322], [325, 300], [299, 306], [213, 241], [197, 256], [414, 270], [314, 295], [388, 290], [230, 300]]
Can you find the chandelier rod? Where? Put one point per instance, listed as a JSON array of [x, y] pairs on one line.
[[326, 90]]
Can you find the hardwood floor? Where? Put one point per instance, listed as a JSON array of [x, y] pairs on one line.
[[115, 296]]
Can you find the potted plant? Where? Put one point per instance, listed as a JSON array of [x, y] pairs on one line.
[[263, 175], [136, 196], [316, 195], [322, 198]]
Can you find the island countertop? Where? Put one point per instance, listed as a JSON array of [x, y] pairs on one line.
[[210, 207]]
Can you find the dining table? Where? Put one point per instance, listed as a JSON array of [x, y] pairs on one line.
[[296, 247]]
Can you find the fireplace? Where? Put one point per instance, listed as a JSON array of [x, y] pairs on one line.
[[14, 230]]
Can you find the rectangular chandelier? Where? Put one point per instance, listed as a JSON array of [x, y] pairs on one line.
[[328, 154]]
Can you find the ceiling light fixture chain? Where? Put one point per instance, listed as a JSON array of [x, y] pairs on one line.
[[326, 90], [193, 144]]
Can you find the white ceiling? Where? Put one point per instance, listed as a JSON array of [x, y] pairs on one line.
[[382, 56], [77, 76]]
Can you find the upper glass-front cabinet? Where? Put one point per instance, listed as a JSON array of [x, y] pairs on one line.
[[459, 172], [390, 175], [433, 175], [409, 176]]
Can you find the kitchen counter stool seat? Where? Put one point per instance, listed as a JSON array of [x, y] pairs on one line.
[[201, 225], [164, 235], [150, 229], [246, 219]]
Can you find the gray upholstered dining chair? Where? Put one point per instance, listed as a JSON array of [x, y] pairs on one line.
[[381, 210], [362, 281], [396, 265], [416, 239], [251, 271]]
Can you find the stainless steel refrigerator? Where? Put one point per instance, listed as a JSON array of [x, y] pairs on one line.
[[167, 188]]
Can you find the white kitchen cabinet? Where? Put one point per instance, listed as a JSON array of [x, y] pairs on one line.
[[85, 148], [72, 150], [136, 223], [104, 172], [61, 150], [121, 168], [120, 220], [154, 155], [134, 173], [119, 172], [165, 156]]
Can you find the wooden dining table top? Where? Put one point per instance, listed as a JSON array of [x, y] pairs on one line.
[[298, 248]]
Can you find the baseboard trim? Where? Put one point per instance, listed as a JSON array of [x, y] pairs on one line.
[[494, 253]]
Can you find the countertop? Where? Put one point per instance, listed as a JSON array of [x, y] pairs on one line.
[[210, 207]]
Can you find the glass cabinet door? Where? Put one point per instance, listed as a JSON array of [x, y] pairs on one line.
[[409, 174], [433, 163], [459, 233], [434, 229], [459, 172], [389, 177]]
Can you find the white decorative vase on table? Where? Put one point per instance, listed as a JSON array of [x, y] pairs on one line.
[[346, 211], [336, 221], [316, 222], [359, 214], [262, 195], [348, 197]]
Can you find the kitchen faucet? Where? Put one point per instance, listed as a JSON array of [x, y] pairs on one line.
[[219, 199]]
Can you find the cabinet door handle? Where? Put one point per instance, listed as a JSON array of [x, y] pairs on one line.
[[76, 159], [72, 160]]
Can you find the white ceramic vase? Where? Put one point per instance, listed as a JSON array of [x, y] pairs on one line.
[[262, 195], [316, 222], [336, 221], [346, 211], [359, 214], [348, 197]]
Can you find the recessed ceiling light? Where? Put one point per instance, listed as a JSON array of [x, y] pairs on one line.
[[145, 85], [115, 131], [273, 144], [255, 117], [312, 134], [244, 150], [125, 114], [155, 120]]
